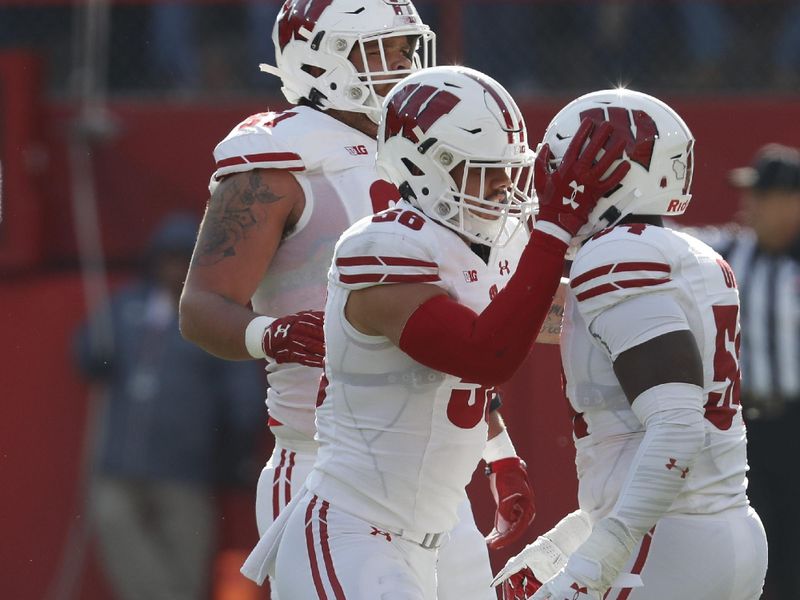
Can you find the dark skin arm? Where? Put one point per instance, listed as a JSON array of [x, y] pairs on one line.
[[668, 358], [246, 218]]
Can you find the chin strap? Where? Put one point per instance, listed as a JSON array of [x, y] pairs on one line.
[[271, 70]]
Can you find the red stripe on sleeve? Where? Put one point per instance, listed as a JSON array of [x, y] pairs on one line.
[[365, 278], [411, 278], [596, 291], [591, 274], [619, 268], [384, 278], [262, 157], [391, 261], [631, 283]]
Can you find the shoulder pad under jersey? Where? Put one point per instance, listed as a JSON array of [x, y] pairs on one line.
[[298, 139], [397, 245], [619, 263]]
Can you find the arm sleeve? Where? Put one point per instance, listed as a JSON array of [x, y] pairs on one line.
[[488, 348], [672, 414]]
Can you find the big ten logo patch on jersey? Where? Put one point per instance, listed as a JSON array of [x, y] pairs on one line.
[[383, 195], [471, 276], [638, 146], [360, 150]]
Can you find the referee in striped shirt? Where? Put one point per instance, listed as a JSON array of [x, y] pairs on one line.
[[765, 257]]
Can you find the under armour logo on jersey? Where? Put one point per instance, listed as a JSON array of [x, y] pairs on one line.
[[673, 464], [504, 268], [471, 276], [579, 589], [375, 531], [576, 189]]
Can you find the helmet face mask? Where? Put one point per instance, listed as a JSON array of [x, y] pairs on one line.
[[453, 141], [315, 41], [658, 145]]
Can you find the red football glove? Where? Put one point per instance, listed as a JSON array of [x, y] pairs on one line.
[[516, 505], [296, 338], [568, 194], [521, 585]]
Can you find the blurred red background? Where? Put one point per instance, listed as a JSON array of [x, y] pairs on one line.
[[159, 160]]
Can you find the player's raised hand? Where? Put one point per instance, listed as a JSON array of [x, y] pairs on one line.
[[569, 191], [296, 338]]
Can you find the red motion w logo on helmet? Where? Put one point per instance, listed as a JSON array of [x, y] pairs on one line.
[[413, 110], [299, 15], [640, 148]]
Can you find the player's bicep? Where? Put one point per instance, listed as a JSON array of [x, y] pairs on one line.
[[244, 223], [385, 309]]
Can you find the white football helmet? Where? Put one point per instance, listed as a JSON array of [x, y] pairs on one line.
[[443, 117], [658, 145], [318, 35]]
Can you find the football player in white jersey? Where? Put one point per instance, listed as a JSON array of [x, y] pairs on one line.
[[410, 362], [650, 352], [286, 186]]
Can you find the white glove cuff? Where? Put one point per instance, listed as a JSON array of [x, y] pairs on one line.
[[604, 553], [498, 447], [554, 230], [254, 336], [570, 532]]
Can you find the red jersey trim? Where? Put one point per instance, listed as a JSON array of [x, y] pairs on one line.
[[264, 157]]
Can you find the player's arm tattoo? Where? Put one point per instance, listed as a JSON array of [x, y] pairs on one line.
[[234, 207]]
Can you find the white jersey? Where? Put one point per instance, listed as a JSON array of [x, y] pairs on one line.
[[399, 441], [335, 166], [607, 432]]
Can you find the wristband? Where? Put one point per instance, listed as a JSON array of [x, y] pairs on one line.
[[498, 447], [554, 230], [254, 336]]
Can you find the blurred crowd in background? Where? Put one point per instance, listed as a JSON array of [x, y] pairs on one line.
[[539, 47]]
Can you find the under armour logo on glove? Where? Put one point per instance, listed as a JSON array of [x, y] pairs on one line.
[[576, 189], [569, 192], [296, 338]]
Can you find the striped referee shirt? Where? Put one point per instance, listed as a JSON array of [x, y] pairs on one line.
[[769, 294]]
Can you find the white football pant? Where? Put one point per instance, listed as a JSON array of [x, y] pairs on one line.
[[702, 557], [463, 571]]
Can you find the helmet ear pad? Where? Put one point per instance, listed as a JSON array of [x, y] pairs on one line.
[[658, 145]]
